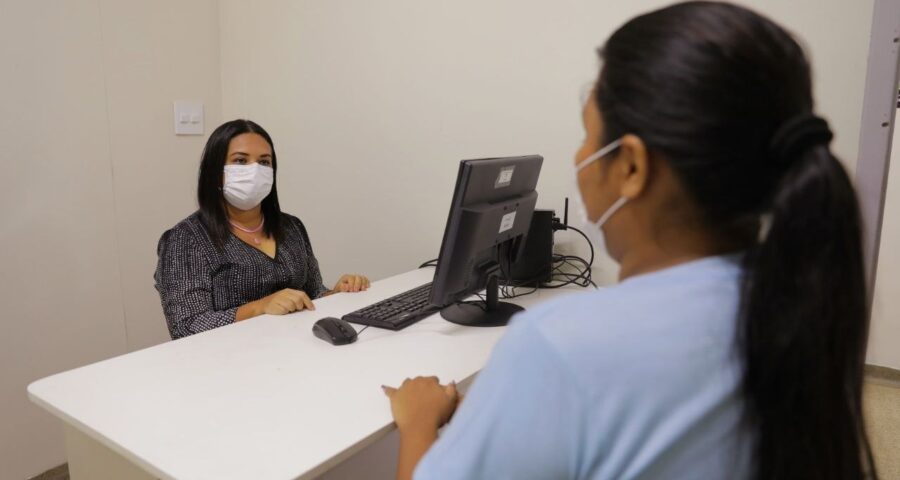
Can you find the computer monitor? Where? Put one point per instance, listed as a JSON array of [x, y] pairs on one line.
[[489, 218]]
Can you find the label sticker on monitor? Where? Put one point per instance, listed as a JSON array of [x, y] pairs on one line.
[[505, 177], [507, 221]]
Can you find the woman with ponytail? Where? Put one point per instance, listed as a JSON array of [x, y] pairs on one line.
[[733, 346]]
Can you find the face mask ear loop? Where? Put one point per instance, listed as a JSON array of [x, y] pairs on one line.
[[611, 210], [598, 154]]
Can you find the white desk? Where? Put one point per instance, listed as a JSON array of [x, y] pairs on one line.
[[260, 399]]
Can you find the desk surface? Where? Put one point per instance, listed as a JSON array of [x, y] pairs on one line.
[[263, 398]]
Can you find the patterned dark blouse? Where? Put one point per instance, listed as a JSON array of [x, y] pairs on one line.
[[202, 287]]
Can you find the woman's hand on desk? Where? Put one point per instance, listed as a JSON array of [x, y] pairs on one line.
[[351, 283], [279, 303], [420, 408], [422, 403]]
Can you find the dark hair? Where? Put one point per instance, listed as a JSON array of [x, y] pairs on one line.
[[209, 183], [724, 96]]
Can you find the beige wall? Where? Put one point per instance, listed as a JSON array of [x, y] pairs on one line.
[[92, 175], [372, 104], [61, 292], [154, 53]]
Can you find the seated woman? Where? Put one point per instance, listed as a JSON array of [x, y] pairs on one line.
[[238, 256], [734, 345]]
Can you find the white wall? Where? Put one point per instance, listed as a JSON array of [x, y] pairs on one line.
[[372, 104], [92, 176]]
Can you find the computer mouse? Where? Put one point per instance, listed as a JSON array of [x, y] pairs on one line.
[[334, 331]]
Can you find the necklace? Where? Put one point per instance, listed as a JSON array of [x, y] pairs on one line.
[[256, 239]]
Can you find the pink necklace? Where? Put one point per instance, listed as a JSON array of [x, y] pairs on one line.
[[256, 239]]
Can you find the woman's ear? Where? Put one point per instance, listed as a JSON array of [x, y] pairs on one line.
[[633, 167]]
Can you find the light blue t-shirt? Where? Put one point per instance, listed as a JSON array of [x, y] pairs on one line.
[[640, 380]]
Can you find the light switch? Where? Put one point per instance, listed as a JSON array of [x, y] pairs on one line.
[[188, 117]]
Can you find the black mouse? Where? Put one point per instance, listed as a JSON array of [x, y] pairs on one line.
[[334, 331]]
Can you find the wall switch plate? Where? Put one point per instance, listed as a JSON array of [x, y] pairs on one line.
[[188, 117]]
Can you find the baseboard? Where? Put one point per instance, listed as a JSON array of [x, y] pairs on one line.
[[883, 375], [57, 473]]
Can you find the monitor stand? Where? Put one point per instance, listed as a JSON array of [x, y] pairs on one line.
[[492, 313]]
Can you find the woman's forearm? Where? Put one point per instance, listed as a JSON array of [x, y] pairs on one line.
[[247, 310], [414, 442]]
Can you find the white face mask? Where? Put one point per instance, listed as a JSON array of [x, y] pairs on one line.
[[594, 230], [247, 185]]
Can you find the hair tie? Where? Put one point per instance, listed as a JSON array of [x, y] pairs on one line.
[[797, 135]]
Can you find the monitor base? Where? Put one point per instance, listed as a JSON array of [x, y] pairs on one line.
[[476, 314], [489, 313]]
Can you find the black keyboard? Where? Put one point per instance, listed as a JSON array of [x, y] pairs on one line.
[[399, 311]]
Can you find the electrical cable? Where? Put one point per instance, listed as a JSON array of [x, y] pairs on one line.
[[559, 277], [588, 240]]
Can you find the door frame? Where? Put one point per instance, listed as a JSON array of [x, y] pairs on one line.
[[880, 104]]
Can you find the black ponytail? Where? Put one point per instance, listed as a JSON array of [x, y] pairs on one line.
[[804, 327], [724, 96]]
